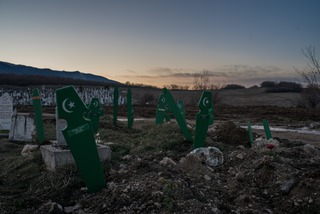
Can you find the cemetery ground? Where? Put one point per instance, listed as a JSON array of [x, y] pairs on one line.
[[151, 171]]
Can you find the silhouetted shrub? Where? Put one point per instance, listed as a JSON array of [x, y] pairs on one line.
[[285, 87], [312, 96], [233, 86], [268, 84]]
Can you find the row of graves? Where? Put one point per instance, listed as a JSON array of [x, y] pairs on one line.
[[77, 127], [23, 96]]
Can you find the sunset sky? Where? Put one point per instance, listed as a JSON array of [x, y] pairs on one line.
[[162, 42]]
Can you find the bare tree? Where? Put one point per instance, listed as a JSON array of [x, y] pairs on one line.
[[311, 73], [311, 76], [201, 81]]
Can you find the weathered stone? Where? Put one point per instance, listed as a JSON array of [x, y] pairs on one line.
[[167, 161], [240, 156], [60, 124], [207, 177], [27, 149], [287, 186], [192, 164], [6, 111], [55, 157], [22, 128]]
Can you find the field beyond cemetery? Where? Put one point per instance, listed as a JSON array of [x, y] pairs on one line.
[[151, 171]]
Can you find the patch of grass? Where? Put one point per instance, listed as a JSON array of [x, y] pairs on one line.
[[25, 183], [49, 129], [144, 138], [168, 200], [275, 156]]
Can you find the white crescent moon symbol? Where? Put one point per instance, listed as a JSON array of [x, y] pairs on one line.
[[64, 106], [163, 100], [205, 101], [95, 103]]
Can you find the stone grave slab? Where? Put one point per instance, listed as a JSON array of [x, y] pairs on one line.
[[6, 111], [55, 157], [22, 127]]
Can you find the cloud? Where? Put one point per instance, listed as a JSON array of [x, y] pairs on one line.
[[131, 71], [137, 76], [161, 70], [233, 73], [182, 72], [247, 71]]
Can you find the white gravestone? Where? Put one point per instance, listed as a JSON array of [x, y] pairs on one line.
[[22, 127], [60, 124], [6, 110]]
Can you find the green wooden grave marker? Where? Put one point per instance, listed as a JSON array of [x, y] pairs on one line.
[[176, 112], [267, 129], [36, 98], [129, 109], [161, 110], [80, 138], [115, 105], [94, 113], [167, 114], [250, 134], [182, 108], [203, 119]]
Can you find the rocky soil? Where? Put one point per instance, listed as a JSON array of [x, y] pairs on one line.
[[152, 171]]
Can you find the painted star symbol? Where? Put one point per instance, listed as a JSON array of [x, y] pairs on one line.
[[71, 105]]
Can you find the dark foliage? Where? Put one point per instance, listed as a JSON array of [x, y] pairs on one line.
[[312, 96], [233, 86], [268, 84], [285, 87]]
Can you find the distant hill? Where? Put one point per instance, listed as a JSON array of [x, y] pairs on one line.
[[12, 71]]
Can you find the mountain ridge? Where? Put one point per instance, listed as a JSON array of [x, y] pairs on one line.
[[17, 69]]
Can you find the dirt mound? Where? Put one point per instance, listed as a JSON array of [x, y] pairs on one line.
[[231, 134], [285, 179]]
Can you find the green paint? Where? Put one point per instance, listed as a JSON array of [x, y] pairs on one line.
[[250, 134], [182, 109], [167, 115], [176, 112], [94, 113], [161, 110], [129, 109], [115, 105], [80, 138], [36, 98], [203, 119], [267, 129]]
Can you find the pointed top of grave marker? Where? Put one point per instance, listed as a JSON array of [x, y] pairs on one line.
[[94, 113], [70, 104], [205, 102], [162, 101]]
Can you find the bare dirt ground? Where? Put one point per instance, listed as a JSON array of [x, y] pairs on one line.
[[285, 179]]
